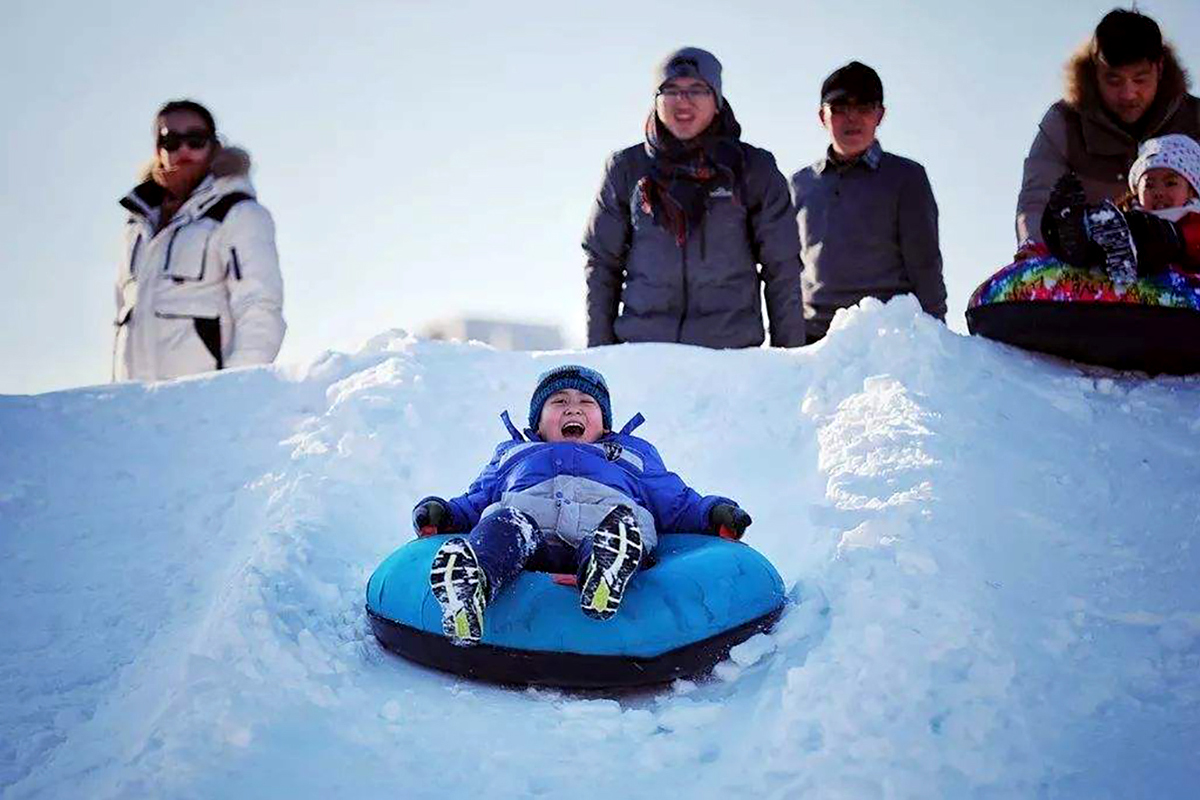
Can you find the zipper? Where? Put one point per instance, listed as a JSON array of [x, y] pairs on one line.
[[237, 267], [204, 258], [683, 313], [169, 315], [1170, 112], [116, 342], [170, 246], [137, 243]]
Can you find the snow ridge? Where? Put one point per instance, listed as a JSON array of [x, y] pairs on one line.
[[991, 556]]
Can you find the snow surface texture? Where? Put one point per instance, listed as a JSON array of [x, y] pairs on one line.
[[995, 552]]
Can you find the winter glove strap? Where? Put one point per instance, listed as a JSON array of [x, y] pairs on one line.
[[728, 521], [430, 517]]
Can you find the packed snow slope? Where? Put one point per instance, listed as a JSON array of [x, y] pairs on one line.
[[993, 558]]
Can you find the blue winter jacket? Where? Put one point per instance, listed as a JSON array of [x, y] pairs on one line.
[[568, 487]]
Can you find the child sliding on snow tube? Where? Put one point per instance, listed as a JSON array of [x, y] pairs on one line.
[[1161, 230], [570, 496]]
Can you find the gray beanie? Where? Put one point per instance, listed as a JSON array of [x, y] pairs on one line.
[[690, 62]]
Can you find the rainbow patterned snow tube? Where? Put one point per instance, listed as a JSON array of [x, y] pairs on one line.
[[1042, 304]]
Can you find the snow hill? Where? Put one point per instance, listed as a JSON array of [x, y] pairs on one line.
[[994, 558]]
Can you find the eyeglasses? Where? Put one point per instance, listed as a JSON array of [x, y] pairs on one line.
[[693, 94], [194, 139], [848, 109]]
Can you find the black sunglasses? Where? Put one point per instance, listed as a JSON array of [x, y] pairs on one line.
[[195, 140]]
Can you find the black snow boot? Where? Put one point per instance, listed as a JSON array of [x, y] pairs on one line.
[[616, 554]]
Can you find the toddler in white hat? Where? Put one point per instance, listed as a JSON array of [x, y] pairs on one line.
[[1166, 176], [1161, 231]]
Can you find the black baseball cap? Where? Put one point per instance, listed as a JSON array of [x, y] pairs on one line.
[[855, 81]]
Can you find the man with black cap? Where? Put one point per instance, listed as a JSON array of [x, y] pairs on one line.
[[1123, 86], [691, 226], [868, 221]]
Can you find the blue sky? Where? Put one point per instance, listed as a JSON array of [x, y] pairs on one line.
[[426, 160]]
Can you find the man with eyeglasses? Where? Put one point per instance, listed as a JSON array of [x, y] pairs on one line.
[[1123, 86], [692, 226], [868, 220]]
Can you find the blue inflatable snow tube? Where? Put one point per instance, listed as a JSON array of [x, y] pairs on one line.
[[680, 616]]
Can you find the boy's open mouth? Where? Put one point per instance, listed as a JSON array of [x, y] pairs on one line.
[[572, 429]]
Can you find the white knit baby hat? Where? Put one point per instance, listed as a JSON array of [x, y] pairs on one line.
[[1174, 151]]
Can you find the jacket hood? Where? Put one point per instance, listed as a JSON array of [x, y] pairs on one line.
[[1080, 90], [228, 162]]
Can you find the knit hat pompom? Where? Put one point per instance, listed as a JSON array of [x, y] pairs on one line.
[[1176, 152], [570, 376]]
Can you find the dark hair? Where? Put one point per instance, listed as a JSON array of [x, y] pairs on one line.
[[1126, 37], [186, 105]]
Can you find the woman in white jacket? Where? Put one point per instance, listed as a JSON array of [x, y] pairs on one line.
[[199, 287]]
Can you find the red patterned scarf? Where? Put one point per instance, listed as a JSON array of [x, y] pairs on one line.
[[683, 174]]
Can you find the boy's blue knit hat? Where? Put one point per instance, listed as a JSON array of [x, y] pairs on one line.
[[570, 376]]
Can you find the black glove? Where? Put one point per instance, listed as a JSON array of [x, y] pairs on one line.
[[1063, 228], [1159, 242], [728, 520], [431, 516]]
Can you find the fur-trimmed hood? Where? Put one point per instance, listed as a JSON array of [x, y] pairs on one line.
[[228, 161], [228, 174], [1081, 92]]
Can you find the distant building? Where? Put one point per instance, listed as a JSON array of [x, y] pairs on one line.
[[500, 334]]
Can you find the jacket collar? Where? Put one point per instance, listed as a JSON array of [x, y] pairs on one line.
[[1103, 136], [1176, 214], [870, 159], [145, 199], [531, 435]]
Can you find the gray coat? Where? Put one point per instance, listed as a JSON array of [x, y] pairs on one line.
[[643, 287], [867, 229]]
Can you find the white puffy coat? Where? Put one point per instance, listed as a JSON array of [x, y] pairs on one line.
[[203, 293]]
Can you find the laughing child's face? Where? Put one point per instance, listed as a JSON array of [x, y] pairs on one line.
[[1163, 188], [569, 415]]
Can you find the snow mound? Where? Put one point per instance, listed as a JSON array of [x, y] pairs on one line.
[[992, 555]]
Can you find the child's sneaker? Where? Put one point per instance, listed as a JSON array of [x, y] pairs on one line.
[[616, 553], [460, 586]]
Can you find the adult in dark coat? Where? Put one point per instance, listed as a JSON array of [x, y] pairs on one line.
[[868, 220], [690, 226], [1123, 86]]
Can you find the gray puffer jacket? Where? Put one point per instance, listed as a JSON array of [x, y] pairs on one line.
[[643, 287]]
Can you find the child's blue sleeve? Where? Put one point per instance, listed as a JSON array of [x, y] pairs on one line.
[[468, 507], [677, 508]]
